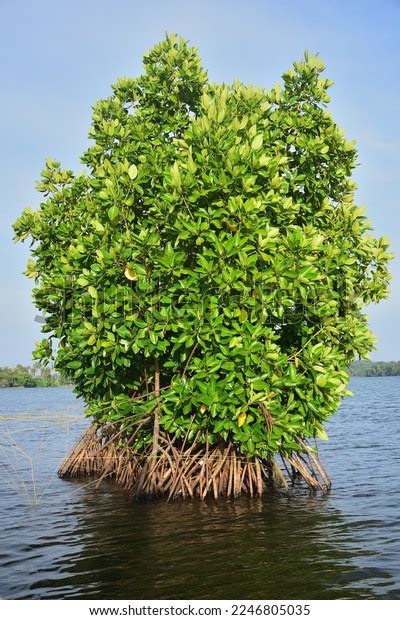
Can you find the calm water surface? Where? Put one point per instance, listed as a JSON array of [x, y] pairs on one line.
[[62, 539]]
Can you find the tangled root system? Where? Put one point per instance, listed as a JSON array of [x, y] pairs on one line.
[[197, 470]]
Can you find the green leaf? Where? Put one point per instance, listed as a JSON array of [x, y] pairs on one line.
[[132, 171], [260, 385], [74, 365], [243, 316], [92, 292], [113, 213], [321, 380], [124, 332], [321, 434], [98, 226]]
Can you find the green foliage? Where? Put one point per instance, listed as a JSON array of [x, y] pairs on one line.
[[366, 368], [215, 231]]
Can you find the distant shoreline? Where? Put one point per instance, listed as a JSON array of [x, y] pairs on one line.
[[36, 375], [33, 387], [367, 368]]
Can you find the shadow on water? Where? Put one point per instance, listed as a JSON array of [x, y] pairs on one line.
[[274, 548]]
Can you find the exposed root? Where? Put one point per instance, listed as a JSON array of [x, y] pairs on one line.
[[84, 458], [306, 467], [190, 471]]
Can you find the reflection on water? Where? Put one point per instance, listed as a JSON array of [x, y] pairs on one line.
[[79, 542]]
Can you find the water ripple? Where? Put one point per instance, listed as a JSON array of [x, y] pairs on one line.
[[63, 539]]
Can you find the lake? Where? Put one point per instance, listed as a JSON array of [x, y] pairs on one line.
[[68, 539]]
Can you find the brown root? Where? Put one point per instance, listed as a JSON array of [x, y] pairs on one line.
[[306, 467], [195, 470]]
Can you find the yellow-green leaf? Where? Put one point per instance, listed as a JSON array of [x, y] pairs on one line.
[[243, 315], [321, 434], [130, 274], [113, 212], [264, 160], [257, 142], [321, 380], [98, 226], [132, 171], [242, 419], [176, 176]]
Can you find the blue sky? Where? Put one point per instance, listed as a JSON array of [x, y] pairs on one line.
[[58, 58]]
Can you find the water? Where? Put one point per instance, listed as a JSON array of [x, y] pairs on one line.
[[63, 539]]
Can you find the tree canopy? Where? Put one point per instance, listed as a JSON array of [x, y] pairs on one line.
[[208, 269]]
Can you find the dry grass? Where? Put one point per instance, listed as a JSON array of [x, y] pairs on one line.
[[25, 441]]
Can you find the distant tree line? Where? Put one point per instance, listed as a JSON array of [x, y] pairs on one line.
[[39, 376], [364, 368], [30, 376]]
